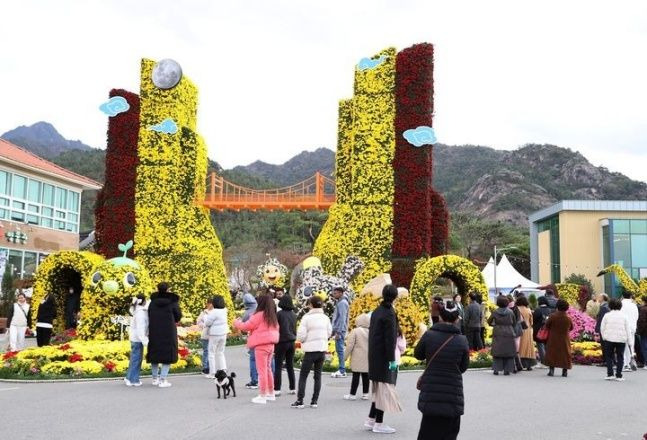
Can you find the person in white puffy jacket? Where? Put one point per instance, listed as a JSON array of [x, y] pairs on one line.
[[314, 332], [216, 321], [138, 339], [630, 310], [616, 332]]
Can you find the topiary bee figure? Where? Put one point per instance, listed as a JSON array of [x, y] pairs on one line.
[[109, 292]]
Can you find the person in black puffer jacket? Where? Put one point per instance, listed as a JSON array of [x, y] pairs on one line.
[[163, 315], [441, 398], [284, 349], [45, 319]]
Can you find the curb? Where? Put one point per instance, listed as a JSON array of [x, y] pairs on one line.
[[89, 379]]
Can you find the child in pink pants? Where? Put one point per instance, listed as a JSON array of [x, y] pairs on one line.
[[263, 329]]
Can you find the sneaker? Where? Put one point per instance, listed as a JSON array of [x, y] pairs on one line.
[[251, 386], [313, 405], [369, 424], [164, 383], [298, 404], [277, 393], [350, 397], [292, 392], [128, 383], [620, 379], [156, 381], [634, 367], [260, 400], [364, 396], [626, 368], [138, 384], [270, 397], [209, 376], [645, 367], [338, 374], [381, 428], [609, 378]]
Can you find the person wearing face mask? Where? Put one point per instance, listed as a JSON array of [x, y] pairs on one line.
[[18, 321], [72, 307]]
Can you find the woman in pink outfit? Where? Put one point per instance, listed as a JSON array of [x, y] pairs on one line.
[[263, 328]]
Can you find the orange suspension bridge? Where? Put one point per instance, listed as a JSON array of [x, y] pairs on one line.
[[314, 193]]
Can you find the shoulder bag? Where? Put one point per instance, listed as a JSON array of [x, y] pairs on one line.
[[419, 383]]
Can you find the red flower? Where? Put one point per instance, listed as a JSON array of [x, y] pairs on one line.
[[420, 215], [75, 357], [64, 347], [183, 352], [8, 355], [115, 206], [109, 366]]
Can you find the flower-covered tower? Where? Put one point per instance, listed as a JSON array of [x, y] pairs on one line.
[[174, 237], [387, 212]]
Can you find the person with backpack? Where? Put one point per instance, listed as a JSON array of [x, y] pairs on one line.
[[263, 329], [284, 349], [45, 319], [357, 351], [539, 317], [138, 336], [441, 399]]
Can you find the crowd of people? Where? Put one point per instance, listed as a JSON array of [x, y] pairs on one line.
[[521, 339]]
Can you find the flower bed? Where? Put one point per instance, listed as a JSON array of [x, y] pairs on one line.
[[587, 353], [83, 359]]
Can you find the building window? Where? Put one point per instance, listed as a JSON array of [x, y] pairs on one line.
[[29, 264], [19, 187], [32, 201], [606, 258], [552, 224], [628, 244], [15, 263]]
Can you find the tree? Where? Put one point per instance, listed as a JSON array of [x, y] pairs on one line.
[[8, 294], [578, 278]]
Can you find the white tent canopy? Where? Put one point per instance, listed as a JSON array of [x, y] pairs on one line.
[[507, 277]]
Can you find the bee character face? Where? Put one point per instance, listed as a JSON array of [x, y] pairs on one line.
[[96, 278]]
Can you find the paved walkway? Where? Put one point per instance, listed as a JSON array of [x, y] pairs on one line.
[[523, 407]]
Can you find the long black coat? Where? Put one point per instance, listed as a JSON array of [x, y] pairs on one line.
[[163, 313], [47, 310], [382, 336], [441, 392]]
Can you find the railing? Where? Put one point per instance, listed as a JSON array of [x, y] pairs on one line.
[[316, 192]]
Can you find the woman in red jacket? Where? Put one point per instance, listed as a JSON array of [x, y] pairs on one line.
[[263, 328]]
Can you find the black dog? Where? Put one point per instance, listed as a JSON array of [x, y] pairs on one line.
[[225, 382]]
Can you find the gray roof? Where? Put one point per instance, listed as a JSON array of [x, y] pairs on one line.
[[589, 205]]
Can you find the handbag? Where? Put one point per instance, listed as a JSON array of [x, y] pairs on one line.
[[542, 334], [419, 382]]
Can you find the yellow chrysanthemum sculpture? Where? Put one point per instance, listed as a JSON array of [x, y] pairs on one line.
[[461, 271], [568, 292], [109, 291], [108, 287], [57, 273], [174, 237], [361, 222], [637, 288]]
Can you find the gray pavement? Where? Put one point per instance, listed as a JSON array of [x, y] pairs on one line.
[[527, 406]]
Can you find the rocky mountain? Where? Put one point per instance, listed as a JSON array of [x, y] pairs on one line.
[[493, 184], [300, 167], [43, 139]]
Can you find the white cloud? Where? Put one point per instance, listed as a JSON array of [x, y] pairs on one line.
[[568, 73]]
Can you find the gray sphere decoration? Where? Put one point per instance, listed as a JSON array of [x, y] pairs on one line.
[[167, 74]]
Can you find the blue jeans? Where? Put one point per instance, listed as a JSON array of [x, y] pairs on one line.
[[205, 355], [135, 364], [253, 372], [339, 348], [155, 370], [643, 346]]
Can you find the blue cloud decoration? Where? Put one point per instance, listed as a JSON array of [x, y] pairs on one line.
[[419, 136], [370, 64], [114, 106], [167, 126]]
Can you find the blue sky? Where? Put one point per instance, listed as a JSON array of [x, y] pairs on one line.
[[506, 72]]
